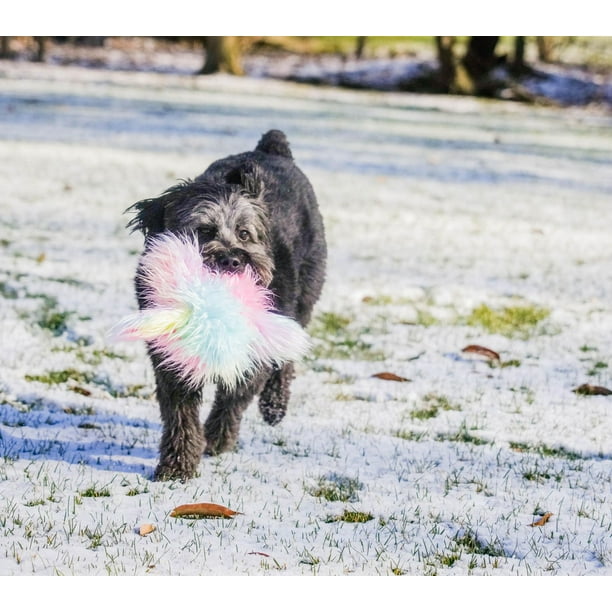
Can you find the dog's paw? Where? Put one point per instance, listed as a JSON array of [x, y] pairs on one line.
[[216, 447], [165, 472]]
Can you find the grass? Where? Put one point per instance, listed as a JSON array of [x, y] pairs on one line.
[[462, 435], [432, 404], [510, 321], [50, 317], [545, 451], [72, 375], [597, 368], [58, 377], [336, 487], [94, 491], [350, 516], [335, 338], [469, 542], [539, 475]]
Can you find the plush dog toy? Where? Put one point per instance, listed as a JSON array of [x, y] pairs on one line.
[[207, 326]]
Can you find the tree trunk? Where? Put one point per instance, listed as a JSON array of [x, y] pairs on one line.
[[446, 62], [518, 61], [41, 48], [361, 41], [545, 48], [222, 55], [5, 47], [480, 58]]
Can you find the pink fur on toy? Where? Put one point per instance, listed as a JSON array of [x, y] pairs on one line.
[[207, 326]]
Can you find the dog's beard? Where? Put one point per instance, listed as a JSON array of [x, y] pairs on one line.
[[254, 256]]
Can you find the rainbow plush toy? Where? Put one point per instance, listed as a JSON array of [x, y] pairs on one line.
[[207, 326]]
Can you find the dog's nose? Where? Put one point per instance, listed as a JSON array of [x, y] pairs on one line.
[[230, 263]]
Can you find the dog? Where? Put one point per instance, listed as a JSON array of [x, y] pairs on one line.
[[254, 209]]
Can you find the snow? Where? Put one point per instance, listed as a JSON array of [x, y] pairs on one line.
[[432, 206]]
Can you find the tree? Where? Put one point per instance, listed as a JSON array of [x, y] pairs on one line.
[[222, 54], [41, 48], [518, 61], [5, 47], [471, 73]]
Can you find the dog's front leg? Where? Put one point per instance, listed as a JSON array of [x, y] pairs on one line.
[[182, 441], [223, 423]]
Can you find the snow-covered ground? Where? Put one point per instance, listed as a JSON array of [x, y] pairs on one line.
[[439, 213]]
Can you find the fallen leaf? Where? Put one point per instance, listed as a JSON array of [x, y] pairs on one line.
[[146, 529], [541, 521], [203, 510], [587, 389], [259, 553], [481, 350], [390, 376], [79, 390]]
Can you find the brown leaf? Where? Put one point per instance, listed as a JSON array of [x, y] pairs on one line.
[[390, 376], [146, 529], [259, 553], [587, 389], [481, 350], [203, 510], [541, 521], [80, 390]]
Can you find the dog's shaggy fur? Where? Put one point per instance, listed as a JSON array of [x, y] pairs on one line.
[[253, 209]]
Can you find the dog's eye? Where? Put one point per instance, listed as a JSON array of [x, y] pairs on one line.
[[244, 235], [207, 233]]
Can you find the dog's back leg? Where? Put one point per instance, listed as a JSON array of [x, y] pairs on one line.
[[274, 398], [275, 395]]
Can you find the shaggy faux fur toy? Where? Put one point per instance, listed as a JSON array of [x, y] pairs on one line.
[[208, 326]]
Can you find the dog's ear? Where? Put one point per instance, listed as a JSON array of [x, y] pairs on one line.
[[148, 217], [248, 176], [150, 214]]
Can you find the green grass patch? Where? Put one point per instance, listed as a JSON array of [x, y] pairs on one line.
[[336, 487], [58, 377], [426, 319], [335, 339], [408, 434], [470, 543], [80, 411], [545, 451], [432, 405], [329, 324], [540, 476], [56, 321], [509, 321], [463, 435], [429, 412], [94, 491], [597, 368], [350, 516], [136, 491]]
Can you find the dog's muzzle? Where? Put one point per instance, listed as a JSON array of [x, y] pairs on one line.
[[231, 261]]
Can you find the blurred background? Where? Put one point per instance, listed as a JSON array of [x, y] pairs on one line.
[[550, 70]]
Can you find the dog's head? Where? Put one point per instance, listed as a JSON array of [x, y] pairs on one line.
[[230, 220]]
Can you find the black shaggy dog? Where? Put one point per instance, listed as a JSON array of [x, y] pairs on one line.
[[253, 209]]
